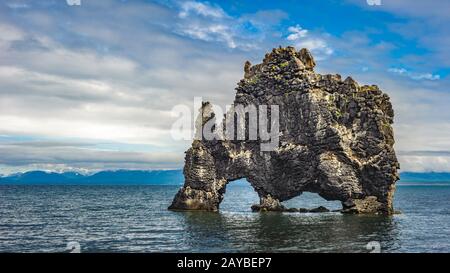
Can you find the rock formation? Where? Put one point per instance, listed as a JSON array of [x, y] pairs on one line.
[[335, 139]]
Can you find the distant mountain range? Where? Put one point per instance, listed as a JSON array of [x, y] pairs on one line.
[[424, 177], [120, 177], [160, 177]]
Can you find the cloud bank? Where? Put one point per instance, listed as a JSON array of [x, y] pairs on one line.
[[92, 87]]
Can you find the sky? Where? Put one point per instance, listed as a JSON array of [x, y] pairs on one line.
[[91, 87]]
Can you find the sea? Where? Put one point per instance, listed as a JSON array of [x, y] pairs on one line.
[[131, 218]]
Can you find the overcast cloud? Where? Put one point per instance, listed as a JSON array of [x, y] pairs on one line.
[[92, 87]]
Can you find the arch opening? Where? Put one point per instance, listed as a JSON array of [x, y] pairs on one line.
[[239, 196], [312, 201]]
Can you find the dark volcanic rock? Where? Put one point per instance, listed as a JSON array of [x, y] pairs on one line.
[[259, 208], [319, 209], [336, 140]]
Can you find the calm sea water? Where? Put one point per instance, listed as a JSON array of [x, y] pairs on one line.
[[135, 219]]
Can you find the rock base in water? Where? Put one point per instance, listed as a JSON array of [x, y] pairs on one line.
[[258, 208]]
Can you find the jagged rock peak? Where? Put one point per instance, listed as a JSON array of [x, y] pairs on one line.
[[282, 59]]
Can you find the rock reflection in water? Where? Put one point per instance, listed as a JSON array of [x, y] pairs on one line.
[[286, 232]]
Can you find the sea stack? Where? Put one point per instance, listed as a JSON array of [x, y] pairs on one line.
[[335, 139]]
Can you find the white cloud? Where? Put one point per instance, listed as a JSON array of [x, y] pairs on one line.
[[305, 39], [205, 22], [425, 76], [297, 32], [400, 71], [17, 5], [316, 45], [203, 9], [415, 76], [418, 163], [216, 32], [9, 34], [421, 9]]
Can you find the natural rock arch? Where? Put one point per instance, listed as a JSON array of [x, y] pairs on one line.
[[336, 140]]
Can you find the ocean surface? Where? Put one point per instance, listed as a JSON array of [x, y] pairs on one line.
[[136, 219]]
